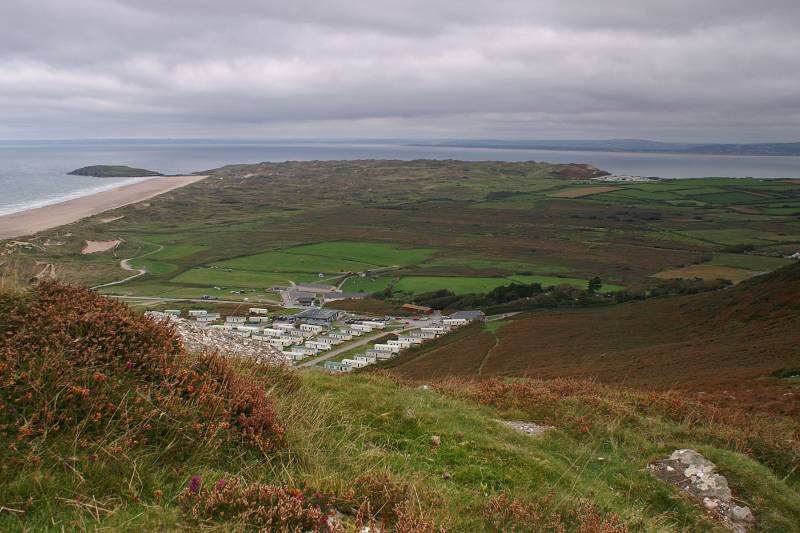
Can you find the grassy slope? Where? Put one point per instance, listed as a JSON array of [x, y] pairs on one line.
[[365, 437], [340, 429]]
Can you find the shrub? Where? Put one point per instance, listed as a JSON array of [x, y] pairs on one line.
[[71, 360], [258, 506]]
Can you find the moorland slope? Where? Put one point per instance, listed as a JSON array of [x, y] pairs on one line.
[[107, 422], [729, 343]]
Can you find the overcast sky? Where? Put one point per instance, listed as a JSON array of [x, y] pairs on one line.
[[701, 70]]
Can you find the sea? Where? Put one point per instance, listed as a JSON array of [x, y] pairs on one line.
[[35, 173]]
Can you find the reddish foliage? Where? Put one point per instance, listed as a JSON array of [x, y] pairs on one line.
[[70, 359], [584, 407], [508, 514], [260, 506]]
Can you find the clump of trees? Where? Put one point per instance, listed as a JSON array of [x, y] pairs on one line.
[[522, 297]]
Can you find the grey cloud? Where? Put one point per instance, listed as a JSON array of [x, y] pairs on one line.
[[671, 69]]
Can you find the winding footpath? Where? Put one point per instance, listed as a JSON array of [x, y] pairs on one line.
[[126, 265]]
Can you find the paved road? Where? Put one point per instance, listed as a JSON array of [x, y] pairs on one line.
[[360, 342]]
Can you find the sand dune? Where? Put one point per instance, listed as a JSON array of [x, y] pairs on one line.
[[51, 216]]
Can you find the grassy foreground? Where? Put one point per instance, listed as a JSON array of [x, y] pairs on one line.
[[107, 423]]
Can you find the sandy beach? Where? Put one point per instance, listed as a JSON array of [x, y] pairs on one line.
[[51, 216]]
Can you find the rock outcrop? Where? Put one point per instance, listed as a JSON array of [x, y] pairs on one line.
[[697, 477]]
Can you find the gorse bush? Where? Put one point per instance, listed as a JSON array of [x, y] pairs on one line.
[[73, 362]]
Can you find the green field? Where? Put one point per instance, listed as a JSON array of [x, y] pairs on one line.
[[758, 263], [209, 277], [292, 262], [551, 281], [357, 284], [468, 225], [376, 254]]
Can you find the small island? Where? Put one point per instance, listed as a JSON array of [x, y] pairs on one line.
[[113, 171]]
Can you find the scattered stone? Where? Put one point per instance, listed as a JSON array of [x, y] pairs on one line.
[[447, 476], [425, 387], [409, 413], [436, 440], [529, 428], [697, 477]]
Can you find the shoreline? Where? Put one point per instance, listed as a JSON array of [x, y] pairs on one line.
[[50, 216]]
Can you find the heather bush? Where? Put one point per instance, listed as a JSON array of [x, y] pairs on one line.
[[75, 363], [257, 506]]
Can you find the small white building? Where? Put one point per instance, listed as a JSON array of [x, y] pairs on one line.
[[402, 344], [411, 340], [370, 359], [313, 328], [258, 311], [173, 312], [242, 332], [318, 345], [387, 348], [330, 340], [285, 326], [374, 324], [195, 312], [281, 342], [363, 328], [340, 335], [354, 363], [235, 319]]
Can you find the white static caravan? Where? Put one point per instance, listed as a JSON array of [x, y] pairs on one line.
[[305, 350], [249, 327], [272, 332], [236, 319], [294, 356], [373, 325], [318, 345], [402, 344], [387, 348], [195, 312], [311, 328], [411, 340], [173, 312], [297, 333], [285, 326], [226, 327], [258, 311], [281, 342], [242, 332], [371, 359], [205, 319], [352, 332], [354, 363], [330, 340], [363, 328], [340, 335]]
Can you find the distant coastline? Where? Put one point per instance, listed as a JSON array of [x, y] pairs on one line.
[[632, 146]]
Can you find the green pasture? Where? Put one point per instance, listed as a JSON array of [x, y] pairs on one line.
[[759, 263], [370, 285], [369, 253], [240, 278]]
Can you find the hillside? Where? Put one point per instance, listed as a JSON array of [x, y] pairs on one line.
[[726, 344], [637, 145], [113, 171], [109, 423]]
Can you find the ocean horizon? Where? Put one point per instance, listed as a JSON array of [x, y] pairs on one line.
[[35, 173]]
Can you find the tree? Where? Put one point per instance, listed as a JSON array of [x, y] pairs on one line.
[[595, 284]]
